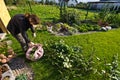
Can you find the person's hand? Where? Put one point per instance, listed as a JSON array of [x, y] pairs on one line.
[[30, 44], [34, 34]]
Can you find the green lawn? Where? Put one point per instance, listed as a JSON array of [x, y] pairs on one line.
[[47, 12], [102, 44], [105, 44]]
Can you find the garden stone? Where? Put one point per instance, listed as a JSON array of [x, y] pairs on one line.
[[106, 28]]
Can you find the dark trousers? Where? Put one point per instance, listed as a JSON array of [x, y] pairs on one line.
[[22, 41]]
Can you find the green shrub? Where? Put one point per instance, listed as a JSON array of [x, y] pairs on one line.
[[88, 27], [71, 16], [113, 19], [68, 61]]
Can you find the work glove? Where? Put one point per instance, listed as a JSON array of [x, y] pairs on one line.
[[34, 35]]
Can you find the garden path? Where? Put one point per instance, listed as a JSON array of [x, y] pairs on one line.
[[80, 33]]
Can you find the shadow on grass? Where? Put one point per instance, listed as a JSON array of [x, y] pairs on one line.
[[43, 70]]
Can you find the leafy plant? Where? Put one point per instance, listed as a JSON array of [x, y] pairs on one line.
[[112, 70], [72, 16], [88, 27], [69, 61], [3, 47]]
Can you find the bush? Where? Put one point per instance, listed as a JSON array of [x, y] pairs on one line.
[[68, 61], [88, 27], [16, 2], [71, 16]]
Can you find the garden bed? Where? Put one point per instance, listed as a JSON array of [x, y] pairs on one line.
[[16, 69]]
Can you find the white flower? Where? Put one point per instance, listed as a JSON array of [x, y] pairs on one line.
[[98, 58], [67, 65], [108, 64], [103, 71], [95, 71], [67, 59], [114, 77], [61, 56]]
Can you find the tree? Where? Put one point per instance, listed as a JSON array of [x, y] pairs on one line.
[[63, 4], [9, 2]]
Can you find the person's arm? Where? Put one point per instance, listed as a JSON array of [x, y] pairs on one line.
[[33, 31], [22, 29], [29, 43], [25, 36]]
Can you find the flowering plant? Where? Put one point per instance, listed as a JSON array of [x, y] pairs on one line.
[[69, 61]]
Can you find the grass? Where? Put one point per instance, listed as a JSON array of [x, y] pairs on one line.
[[45, 12], [105, 45]]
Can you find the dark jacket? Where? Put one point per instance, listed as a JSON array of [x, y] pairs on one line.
[[19, 24]]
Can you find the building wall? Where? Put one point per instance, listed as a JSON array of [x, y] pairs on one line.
[[4, 15], [72, 3], [100, 5], [109, 0]]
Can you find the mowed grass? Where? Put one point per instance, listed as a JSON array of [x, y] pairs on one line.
[[102, 44], [105, 45], [48, 12], [45, 12]]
